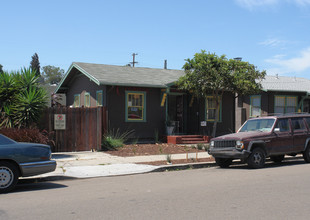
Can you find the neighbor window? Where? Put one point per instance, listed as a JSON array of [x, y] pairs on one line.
[[285, 104], [211, 108], [135, 106], [87, 100], [255, 105], [76, 101], [99, 98]]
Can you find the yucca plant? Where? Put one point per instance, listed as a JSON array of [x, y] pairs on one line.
[[27, 79], [114, 139], [29, 106], [8, 88], [6, 117], [21, 98]]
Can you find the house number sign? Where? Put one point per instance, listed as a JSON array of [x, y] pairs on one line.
[[59, 121]]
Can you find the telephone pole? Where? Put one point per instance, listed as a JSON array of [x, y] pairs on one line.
[[133, 59]]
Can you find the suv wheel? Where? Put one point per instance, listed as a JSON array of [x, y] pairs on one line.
[[257, 158], [306, 154], [223, 162], [8, 176], [277, 159]]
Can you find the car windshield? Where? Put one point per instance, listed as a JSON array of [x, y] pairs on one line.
[[263, 125], [5, 140]]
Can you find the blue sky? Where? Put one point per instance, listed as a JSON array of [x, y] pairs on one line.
[[271, 34]]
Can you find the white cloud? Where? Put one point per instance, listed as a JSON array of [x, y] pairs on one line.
[[295, 65], [273, 42], [251, 4]]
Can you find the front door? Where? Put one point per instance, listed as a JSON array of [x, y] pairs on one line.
[[176, 112]]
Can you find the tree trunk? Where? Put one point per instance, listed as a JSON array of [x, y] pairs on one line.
[[214, 129]]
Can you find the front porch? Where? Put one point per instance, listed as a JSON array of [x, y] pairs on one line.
[[188, 139]]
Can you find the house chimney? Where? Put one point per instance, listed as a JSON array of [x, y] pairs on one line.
[[165, 64]]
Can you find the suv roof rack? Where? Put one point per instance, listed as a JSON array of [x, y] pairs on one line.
[[286, 114]]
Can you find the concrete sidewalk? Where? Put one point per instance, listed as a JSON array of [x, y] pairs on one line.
[[95, 164]]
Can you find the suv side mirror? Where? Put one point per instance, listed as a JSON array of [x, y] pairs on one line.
[[276, 130]]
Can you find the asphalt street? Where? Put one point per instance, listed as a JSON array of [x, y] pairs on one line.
[[274, 192]]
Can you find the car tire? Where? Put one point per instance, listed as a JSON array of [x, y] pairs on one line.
[[257, 158], [223, 162], [277, 159], [8, 176], [306, 154]]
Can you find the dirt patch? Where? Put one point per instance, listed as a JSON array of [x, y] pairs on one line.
[[159, 149]]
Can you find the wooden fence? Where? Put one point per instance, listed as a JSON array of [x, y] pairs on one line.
[[83, 131]]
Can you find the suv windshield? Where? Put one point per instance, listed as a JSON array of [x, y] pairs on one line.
[[264, 125]]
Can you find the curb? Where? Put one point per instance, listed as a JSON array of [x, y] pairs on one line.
[[162, 168], [184, 166]]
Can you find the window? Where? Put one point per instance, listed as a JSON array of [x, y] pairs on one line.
[[87, 100], [135, 106], [308, 122], [255, 106], [285, 104], [283, 125], [263, 125], [211, 109], [298, 124], [99, 98], [76, 102]]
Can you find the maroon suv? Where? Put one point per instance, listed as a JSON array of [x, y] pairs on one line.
[[259, 138]]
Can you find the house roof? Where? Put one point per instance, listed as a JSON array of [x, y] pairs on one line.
[[286, 84], [103, 74]]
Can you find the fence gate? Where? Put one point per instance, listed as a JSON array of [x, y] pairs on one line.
[[82, 129]]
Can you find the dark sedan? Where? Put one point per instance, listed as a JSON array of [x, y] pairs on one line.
[[22, 160]]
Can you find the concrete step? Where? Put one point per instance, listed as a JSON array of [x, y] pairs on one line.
[[195, 142], [192, 139]]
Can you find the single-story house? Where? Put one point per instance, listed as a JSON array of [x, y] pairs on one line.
[[280, 95], [147, 101], [143, 99]]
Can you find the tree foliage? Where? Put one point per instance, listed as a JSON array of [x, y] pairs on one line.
[[1, 70], [21, 98], [52, 74], [35, 64], [210, 74]]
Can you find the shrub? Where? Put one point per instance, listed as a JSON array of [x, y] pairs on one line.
[[200, 146], [115, 139], [32, 135]]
